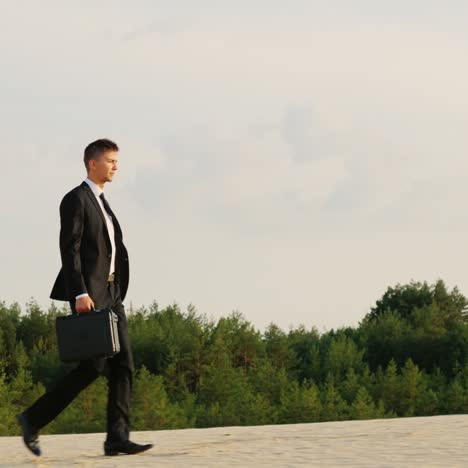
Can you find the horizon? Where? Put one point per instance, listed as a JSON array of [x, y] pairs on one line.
[[132, 309]]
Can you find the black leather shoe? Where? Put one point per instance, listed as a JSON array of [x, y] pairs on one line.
[[130, 448], [30, 436]]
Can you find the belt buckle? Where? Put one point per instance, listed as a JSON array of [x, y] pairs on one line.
[[111, 277]]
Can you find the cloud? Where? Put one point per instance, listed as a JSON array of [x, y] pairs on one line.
[[267, 150], [306, 134], [162, 26]]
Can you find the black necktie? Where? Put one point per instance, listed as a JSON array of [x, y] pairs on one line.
[[106, 205]]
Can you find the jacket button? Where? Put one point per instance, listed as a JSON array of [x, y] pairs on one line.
[[109, 255]]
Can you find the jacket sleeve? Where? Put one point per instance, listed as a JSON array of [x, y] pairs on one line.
[[71, 234]]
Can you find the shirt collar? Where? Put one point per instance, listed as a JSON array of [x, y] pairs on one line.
[[95, 188]]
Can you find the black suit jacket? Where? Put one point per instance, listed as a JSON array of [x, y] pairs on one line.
[[86, 250]]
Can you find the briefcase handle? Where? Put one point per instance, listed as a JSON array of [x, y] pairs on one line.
[[93, 310]]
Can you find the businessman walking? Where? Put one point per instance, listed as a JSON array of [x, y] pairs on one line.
[[94, 274]]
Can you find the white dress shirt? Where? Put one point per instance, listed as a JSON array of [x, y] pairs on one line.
[[110, 225]]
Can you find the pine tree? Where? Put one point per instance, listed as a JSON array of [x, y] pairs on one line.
[[411, 387], [363, 407], [350, 386], [8, 426], [390, 387], [151, 408], [456, 401], [334, 408]]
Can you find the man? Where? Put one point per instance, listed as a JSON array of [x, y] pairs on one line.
[[94, 274]]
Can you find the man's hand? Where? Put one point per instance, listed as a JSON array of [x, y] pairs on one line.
[[84, 305]]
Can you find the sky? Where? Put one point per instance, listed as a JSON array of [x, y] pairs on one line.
[[286, 160]]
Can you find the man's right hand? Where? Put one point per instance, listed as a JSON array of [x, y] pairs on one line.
[[84, 305]]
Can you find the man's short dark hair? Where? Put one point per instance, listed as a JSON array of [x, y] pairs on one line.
[[97, 148]]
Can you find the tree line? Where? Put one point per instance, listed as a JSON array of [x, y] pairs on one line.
[[407, 357]]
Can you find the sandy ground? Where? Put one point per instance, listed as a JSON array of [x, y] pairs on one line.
[[418, 442]]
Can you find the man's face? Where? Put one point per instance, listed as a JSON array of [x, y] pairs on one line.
[[104, 167]]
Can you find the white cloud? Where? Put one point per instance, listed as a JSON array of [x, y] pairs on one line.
[[273, 159]]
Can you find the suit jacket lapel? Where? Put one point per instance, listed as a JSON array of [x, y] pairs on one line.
[[116, 224], [98, 207]]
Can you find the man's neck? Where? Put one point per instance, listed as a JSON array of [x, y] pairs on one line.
[[97, 182]]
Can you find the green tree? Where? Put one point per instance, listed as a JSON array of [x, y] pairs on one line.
[[457, 397], [334, 408], [8, 426], [363, 407], [277, 347], [350, 386], [411, 387], [306, 346], [151, 409], [403, 299], [342, 355]]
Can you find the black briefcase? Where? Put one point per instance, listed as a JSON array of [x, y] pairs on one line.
[[86, 336]]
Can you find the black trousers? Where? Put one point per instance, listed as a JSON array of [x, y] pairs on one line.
[[118, 370]]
